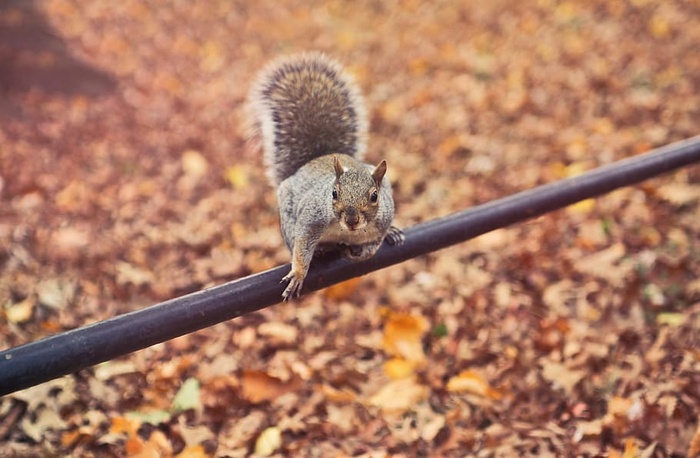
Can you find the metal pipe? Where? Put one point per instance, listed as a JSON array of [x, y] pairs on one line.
[[71, 351]]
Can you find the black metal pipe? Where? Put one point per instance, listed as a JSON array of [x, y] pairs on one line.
[[71, 351]]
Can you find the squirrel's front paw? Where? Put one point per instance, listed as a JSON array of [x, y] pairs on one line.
[[293, 289], [394, 236]]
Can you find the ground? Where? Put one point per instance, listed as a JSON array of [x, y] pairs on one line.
[[126, 179]]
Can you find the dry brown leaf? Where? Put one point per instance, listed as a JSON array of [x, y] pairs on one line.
[[278, 332], [343, 417], [193, 435], [338, 396], [257, 386], [387, 398], [46, 420], [694, 446], [56, 293], [432, 428], [561, 376], [236, 432], [657, 352], [109, 369], [679, 193], [607, 264], [131, 274], [588, 429], [194, 164]]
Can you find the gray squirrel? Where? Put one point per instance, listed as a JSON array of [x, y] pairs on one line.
[[310, 118]]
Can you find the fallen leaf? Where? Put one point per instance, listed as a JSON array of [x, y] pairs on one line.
[[258, 386], [238, 432], [587, 429], [403, 334], [46, 420], [560, 376], [109, 369], [338, 396], [237, 176], [124, 425], [152, 416], [469, 381], [194, 164], [194, 435], [188, 396], [679, 193], [343, 417], [397, 368], [56, 293], [432, 428], [130, 274], [658, 26], [342, 290], [671, 319], [268, 441], [156, 445], [607, 264], [279, 332], [193, 451], [694, 446], [21, 312], [630, 448], [387, 398]]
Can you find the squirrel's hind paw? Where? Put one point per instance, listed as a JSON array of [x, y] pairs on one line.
[[394, 236]]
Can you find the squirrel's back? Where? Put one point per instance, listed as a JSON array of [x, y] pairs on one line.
[[303, 107]]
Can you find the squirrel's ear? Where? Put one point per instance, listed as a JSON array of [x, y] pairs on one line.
[[338, 168], [379, 172]]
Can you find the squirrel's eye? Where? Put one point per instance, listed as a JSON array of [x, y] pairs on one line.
[[335, 194], [374, 196]]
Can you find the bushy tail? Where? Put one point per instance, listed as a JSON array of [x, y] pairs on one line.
[[302, 107]]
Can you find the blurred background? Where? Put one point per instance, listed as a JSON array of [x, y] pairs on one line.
[[126, 179]]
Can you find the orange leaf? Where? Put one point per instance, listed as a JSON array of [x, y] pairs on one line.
[[134, 445], [470, 382], [123, 425], [403, 335], [630, 448], [258, 387], [342, 290], [337, 396], [192, 451], [397, 368], [69, 438]]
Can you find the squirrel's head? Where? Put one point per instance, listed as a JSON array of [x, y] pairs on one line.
[[356, 194]]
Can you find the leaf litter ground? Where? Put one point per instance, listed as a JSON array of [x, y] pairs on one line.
[[125, 180]]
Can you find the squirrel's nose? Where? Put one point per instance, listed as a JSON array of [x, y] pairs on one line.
[[352, 218]]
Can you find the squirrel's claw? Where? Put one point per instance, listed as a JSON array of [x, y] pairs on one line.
[[293, 289], [394, 236]]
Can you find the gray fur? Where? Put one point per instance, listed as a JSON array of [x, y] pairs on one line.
[[313, 126]]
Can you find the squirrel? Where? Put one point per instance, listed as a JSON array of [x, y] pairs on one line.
[[310, 118]]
